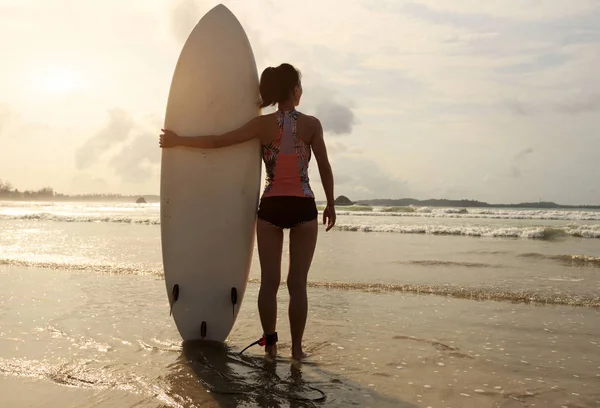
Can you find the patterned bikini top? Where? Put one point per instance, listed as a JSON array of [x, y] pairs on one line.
[[286, 160]]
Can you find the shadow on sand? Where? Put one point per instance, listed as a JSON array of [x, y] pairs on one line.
[[215, 375]]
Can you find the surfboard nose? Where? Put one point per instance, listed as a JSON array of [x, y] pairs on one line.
[[222, 14], [220, 8]]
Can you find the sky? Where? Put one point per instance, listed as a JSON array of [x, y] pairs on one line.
[[460, 99]]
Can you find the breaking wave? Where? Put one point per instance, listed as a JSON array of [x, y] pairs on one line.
[[85, 267], [543, 233], [477, 213], [575, 260], [466, 293], [150, 215], [82, 218]]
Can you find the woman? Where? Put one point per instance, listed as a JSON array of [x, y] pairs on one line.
[[287, 138]]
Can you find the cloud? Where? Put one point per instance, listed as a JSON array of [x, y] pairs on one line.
[[14, 125], [334, 147], [518, 159], [501, 34], [471, 20], [523, 153], [86, 183], [568, 107], [132, 147], [335, 112], [519, 108], [360, 178], [335, 118], [535, 63], [137, 160], [474, 11], [586, 104], [184, 15], [5, 117], [515, 171], [116, 130]]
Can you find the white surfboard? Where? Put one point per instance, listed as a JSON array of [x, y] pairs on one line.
[[209, 197]]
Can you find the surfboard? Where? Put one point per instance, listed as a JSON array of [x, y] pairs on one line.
[[209, 198]]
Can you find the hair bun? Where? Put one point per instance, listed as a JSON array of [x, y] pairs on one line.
[[277, 83], [272, 71]]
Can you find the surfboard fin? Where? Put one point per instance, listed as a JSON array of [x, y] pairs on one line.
[[174, 297], [234, 299], [203, 330]]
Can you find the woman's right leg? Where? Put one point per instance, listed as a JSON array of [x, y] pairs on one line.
[[303, 240], [270, 245]]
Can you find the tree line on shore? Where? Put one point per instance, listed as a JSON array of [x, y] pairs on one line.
[[8, 192]]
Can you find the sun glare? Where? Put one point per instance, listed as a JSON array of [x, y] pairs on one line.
[[59, 81]]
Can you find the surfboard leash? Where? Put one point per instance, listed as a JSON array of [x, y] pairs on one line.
[[269, 340], [265, 340], [322, 398], [274, 390]]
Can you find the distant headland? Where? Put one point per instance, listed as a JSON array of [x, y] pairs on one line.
[[7, 192], [412, 202]]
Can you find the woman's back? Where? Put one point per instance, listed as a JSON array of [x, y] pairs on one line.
[[287, 153]]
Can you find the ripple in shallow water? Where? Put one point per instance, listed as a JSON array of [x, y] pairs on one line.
[[422, 289]]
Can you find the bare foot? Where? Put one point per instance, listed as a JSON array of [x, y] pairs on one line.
[[299, 355], [271, 351]]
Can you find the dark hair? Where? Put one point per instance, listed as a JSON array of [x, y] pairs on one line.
[[277, 84]]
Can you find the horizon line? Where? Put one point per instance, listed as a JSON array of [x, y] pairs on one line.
[[40, 195]]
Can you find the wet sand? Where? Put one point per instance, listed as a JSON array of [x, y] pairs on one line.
[[74, 339]]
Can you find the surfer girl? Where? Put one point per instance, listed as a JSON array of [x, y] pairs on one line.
[[288, 139]]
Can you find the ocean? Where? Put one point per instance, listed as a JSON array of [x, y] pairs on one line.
[[408, 307]]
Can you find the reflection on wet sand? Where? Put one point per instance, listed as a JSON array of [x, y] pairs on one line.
[[215, 375]]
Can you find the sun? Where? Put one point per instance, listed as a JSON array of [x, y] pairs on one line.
[[59, 81]]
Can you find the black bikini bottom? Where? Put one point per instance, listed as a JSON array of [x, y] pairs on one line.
[[287, 211]]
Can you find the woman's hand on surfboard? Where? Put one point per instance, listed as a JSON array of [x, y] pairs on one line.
[[329, 217], [248, 131], [168, 139]]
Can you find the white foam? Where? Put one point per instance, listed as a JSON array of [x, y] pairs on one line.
[[73, 217], [589, 231], [478, 213], [81, 212]]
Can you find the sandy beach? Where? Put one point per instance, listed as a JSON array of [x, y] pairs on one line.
[[71, 339]]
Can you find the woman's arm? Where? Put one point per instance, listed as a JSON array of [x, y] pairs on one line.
[[248, 131], [325, 171], [320, 151]]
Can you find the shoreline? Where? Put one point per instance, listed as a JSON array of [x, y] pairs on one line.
[[444, 291]]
